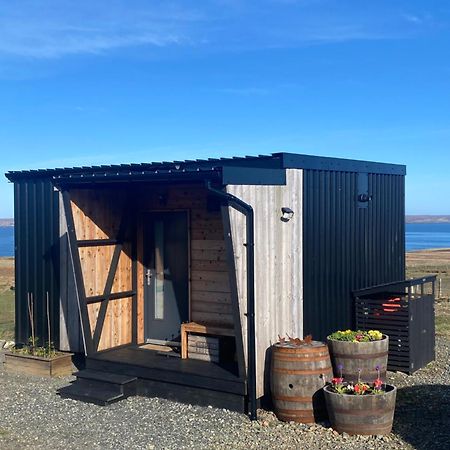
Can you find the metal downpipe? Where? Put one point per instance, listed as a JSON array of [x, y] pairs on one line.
[[247, 210]]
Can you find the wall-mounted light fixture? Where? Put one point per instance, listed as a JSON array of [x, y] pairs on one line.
[[286, 214]]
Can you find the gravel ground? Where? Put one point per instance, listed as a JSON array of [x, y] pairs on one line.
[[33, 417]]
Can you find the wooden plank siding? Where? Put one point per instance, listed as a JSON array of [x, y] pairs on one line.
[[210, 299], [278, 265], [97, 215]]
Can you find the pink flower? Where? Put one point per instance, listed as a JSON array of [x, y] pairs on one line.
[[337, 380], [377, 384]]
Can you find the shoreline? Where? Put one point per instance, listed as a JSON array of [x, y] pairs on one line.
[[436, 250], [431, 250]]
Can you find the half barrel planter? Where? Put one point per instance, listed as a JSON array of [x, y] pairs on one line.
[[355, 356], [361, 414], [298, 374]]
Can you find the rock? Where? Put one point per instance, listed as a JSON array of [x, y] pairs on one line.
[[2, 344], [9, 344]]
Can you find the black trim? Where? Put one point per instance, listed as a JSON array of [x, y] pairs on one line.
[[113, 296], [257, 176], [90, 178], [397, 285], [96, 242], [309, 162], [199, 168]]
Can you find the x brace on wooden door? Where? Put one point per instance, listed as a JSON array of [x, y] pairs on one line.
[[92, 340]]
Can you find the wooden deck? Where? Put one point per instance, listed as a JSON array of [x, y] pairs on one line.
[[185, 380]]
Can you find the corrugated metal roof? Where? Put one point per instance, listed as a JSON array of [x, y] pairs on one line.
[[273, 161], [154, 167]]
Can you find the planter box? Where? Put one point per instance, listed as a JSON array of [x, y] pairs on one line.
[[57, 366], [360, 355], [361, 414]]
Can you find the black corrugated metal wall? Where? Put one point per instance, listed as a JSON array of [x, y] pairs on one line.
[[36, 214], [346, 246]]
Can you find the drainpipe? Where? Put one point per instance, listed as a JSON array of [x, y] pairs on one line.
[[247, 210]]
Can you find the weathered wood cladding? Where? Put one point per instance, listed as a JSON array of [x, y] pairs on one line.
[[278, 264], [210, 299]]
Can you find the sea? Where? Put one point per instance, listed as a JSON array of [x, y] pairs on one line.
[[419, 236]]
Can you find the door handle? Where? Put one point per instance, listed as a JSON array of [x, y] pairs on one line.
[[148, 277]]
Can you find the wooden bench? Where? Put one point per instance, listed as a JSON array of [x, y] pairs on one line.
[[198, 328]]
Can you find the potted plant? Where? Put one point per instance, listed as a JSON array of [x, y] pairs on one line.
[[359, 352], [360, 408], [36, 359]]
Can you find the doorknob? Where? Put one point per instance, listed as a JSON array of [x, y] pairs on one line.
[[148, 276]]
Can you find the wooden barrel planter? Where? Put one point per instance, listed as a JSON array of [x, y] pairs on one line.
[[361, 414], [298, 374], [363, 356]]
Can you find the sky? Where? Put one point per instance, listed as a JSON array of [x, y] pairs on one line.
[[120, 81]]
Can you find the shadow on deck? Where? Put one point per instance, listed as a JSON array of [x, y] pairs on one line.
[[139, 371]]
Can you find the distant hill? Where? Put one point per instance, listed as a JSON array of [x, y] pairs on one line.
[[6, 222], [427, 219]]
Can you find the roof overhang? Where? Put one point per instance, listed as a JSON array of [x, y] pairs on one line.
[[220, 175], [263, 169]]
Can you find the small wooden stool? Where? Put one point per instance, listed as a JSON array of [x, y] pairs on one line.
[[198, 328]]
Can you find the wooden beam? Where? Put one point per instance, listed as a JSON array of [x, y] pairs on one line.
[[96, 242], [78, 274], [114, 296]]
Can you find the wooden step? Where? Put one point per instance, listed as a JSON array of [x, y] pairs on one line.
[[100, 388], [106, 377]]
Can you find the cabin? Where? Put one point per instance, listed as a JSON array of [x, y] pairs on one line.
[[174, 279]]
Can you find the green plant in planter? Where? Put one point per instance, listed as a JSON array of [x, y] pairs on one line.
[[339, 386], [33, 349], [356, 336], [361, 407]]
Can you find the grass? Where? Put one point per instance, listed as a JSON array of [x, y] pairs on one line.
[[6, 298], [443, 319], [431, 262]]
